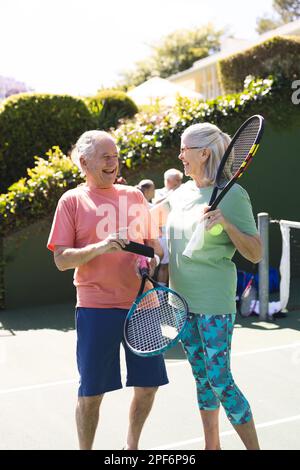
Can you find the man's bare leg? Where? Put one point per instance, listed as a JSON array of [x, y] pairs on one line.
[[139, 410], [87, 416]]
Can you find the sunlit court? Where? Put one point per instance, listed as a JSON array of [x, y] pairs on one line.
[[39, 394]]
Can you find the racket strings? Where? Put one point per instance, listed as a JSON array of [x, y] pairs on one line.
[[157, 320], [241, 149]]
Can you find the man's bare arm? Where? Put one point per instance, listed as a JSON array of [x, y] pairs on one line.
[[70, 258]]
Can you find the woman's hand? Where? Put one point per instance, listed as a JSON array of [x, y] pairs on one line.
[[213, 218], [249, 246], [152, 265]]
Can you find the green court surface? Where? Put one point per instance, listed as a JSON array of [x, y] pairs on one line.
[[38, 387]]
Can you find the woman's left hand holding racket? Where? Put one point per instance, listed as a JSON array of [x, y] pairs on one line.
[[213, 219]]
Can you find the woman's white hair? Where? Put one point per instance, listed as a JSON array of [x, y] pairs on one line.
[[86, 145], [206, 135]]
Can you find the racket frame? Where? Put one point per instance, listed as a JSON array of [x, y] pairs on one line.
[[156, 287], [214, 201]]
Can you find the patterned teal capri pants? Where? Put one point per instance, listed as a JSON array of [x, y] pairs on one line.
[[207, 343]]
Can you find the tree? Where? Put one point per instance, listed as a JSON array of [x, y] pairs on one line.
[[144, 69], [10, 86], [286, 10], [174, 53], [266, 23]]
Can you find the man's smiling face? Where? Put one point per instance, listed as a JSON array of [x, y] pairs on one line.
[[101, 169]]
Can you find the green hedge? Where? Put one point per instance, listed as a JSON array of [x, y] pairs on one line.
[[35, 196], [145, 141], [278, 56], [110, 106], [31, 123]]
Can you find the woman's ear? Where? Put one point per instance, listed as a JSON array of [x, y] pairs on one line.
[[206, 154]]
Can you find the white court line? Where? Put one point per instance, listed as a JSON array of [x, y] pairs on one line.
[[175, 445], [274, 348], [37, 386], [169, 364], [243, 353]]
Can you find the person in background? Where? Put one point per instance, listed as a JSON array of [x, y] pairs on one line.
[[147, 187], [172, 181]]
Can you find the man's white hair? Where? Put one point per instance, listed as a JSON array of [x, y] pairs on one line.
[[173, 172], [86, 145], [206, 135], [145, 184]]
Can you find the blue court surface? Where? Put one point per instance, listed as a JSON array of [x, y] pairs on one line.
[[38, 387]]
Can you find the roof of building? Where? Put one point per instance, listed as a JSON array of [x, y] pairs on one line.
[[157, 88], [235, 45]]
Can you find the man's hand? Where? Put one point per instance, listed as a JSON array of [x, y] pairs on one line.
[[114, 242]]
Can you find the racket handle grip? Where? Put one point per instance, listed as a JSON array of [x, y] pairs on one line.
[[140, 249], [143, 267]]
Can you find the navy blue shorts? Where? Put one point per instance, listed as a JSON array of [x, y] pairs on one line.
[[99, 335]]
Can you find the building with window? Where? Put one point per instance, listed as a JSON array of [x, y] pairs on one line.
[[203, 77]]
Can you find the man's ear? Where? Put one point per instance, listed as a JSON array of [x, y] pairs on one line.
[[82, 162]]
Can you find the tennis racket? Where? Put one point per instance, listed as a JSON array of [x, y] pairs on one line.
[[235, 161], [248, 299], [156, 320]]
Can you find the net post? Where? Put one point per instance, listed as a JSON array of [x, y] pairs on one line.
[[263, 266]]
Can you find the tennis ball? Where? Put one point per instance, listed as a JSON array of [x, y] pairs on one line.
[[216, 230]]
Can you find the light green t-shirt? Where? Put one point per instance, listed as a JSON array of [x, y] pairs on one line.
[[207, 280]]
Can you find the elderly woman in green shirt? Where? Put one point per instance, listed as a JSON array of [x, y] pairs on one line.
[[208, 278]]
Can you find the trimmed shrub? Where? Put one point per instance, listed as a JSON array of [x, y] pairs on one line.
[[109, 107], [35, 196], [277, 56], [31, 123]]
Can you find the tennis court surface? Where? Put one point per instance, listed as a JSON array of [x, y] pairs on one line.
[[38, 387]]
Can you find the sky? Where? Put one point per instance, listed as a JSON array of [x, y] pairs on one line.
[[79, 46]]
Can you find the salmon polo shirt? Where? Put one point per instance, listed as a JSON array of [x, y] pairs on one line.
[[85, 216]]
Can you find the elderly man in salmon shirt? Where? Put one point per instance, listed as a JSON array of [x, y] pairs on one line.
[[88, 235]]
